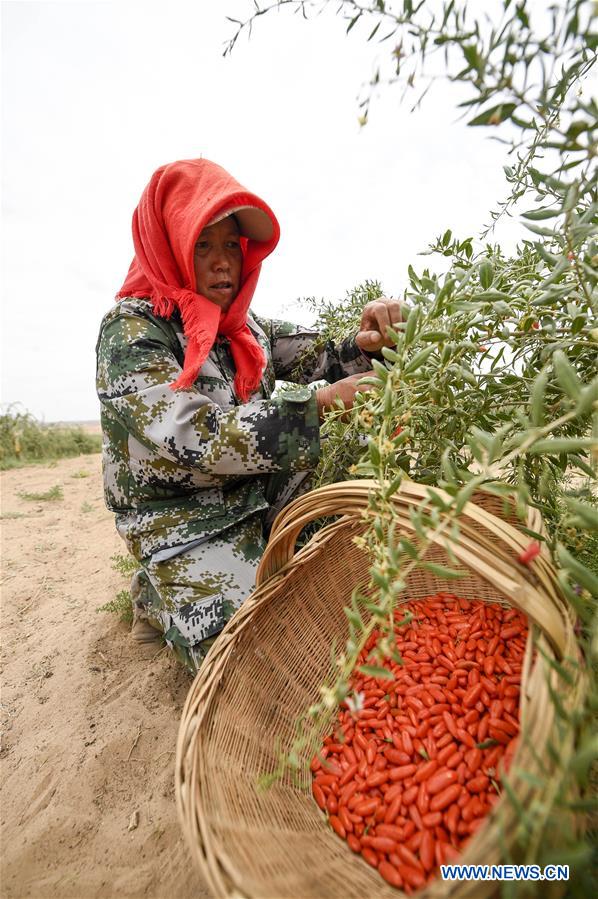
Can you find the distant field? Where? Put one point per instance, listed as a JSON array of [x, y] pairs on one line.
[[90, 427], [25, 441]]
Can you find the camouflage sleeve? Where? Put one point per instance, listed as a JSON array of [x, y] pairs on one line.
[[136, 366], [300, 354]]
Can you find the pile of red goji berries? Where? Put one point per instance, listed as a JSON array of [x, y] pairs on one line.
[[411, 774]]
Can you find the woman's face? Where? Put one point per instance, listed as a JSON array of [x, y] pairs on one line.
[[217, 260]]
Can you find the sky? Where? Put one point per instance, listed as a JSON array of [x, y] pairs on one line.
[[96, 95]]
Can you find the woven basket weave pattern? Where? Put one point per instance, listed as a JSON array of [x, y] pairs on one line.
[[267, 669]]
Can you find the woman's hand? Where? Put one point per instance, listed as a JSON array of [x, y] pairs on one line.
[[345, 389], [377, 316]]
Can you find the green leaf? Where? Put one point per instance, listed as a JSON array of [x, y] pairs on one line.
[[550, 258], [413, 277], [394, 486], [448, 469], [378, 611], [582, 608], [471, 55], [434, 336], [582, 575], [408, 548], [543, 232], [487, 744], [376, 671], [395, 335], [388, 399], [381, 370], [354, 618], [370, 379], [565, 675], [495, 115], [373, 451], [531, 779], [522, 15], [556, 445], [590, 213], [466, 492], [571, 198], [391, 355], [587, 397], [398, 439], [419, 359], [353, 22], [436, 500], [588, 514], [442, 570], [374, 30], [486, 274], [468, 376], [585, 757], [494, 295], [550, 296], [537, 398], [583, 466], [412, 321], [565, 375], [584, 805], [537, 215]]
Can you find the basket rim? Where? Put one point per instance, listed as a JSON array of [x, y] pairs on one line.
[[499, 566]]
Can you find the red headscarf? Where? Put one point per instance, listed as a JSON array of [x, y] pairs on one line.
[[179, 201]]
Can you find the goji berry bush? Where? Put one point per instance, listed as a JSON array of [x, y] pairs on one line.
[[492, 380]]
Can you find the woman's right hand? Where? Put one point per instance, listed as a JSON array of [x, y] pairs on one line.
[[345, 389]]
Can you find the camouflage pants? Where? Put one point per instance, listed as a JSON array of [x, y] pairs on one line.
[[190, 595]]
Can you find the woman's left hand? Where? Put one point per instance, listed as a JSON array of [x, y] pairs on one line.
[[377, 316]]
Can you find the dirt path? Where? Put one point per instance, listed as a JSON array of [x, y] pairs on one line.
[[89, 717]]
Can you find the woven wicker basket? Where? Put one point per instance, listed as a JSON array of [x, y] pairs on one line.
[[269, 662]]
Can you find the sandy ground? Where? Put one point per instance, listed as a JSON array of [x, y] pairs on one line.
[[89, 717]]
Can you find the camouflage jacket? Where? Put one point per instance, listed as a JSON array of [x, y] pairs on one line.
[[180, 466]]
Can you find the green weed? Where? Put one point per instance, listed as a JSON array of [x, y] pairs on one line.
[[86, 507], [52, 495], [124, 564], [121, 606], [80, 474]]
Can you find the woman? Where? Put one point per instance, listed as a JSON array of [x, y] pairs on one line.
[[198, 457]]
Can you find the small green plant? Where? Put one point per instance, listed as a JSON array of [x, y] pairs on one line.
[[44, 547], [9, 516], [52, 495], [121, 606], [86, 507], [124, 564], [80, 474]]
